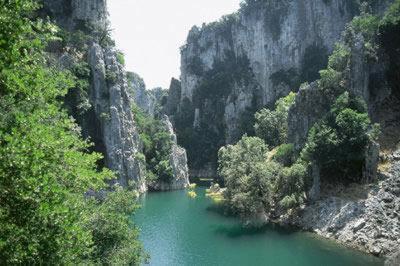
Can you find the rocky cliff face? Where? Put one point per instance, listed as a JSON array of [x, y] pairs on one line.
[[364, 216], [150, 101], [174, 97], [365, 78], [108, 120], [74, 14], [367, 218], [248, 60], [178, 162]]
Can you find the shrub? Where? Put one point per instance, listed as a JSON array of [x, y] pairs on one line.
[[338, 142], [111, 76], [120, 58], [271, 126], [288, 202], [285, 154]]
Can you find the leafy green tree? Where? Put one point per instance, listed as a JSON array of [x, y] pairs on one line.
[[285, 154], [157, 145], [272, 126], [289, 187], [45, 166], [256, 184], [245, 176], [113, 232], [338, 142]]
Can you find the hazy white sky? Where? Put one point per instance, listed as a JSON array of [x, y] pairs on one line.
[[150, 32]]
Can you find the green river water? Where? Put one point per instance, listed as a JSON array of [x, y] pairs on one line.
[[178, 230]]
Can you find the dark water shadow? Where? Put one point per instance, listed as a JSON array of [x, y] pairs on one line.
[[220, 210], [236, 231], [240, 230]]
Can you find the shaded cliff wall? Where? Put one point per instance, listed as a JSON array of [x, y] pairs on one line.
[[368, 75], [152, 104], [107, 120], [149, 100]]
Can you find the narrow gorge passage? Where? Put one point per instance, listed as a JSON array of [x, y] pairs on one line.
[[196, 133]]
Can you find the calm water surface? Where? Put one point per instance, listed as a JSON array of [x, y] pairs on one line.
[[178, 230]]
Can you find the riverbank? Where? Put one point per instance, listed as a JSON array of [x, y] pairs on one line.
[[365, 217]]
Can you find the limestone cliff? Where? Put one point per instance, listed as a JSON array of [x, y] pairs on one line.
[[366, 76], [107, 119], [150, 101], [178, 162], [364, 216], [248, 60]]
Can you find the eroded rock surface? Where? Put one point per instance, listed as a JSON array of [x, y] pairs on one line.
[[370, 223], [271, 48], [178, 162], [108, 120]]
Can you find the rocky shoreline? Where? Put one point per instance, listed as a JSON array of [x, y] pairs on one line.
[[366, 218]]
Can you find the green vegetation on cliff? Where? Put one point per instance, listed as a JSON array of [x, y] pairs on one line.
[[157, 146], [271, 126], [275, 182], [256, 184], [338, 142], [45, 166]]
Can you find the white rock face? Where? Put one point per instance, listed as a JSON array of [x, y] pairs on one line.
[[112, 107], [371, 223], [307, 23], [72, 14], [147, 100], [109, 123], [273, 40]]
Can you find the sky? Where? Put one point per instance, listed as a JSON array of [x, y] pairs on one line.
[[150, 32]]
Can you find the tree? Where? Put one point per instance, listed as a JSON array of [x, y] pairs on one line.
[[338, 142], [271, 126], [255, 184], [45, 166], [244, 174]]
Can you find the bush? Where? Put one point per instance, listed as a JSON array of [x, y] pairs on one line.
[[288, 202], [157, 146], [271, 126], [338, 142], [285, 154], [291, 182], [120, 58]]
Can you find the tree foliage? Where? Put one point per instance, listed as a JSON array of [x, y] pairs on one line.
[[45, 166], [157, 145], [338, 142], [257, 185], [272, 126]]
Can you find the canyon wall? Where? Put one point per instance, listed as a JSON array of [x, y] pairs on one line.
[[248, 60], [107, 119]]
